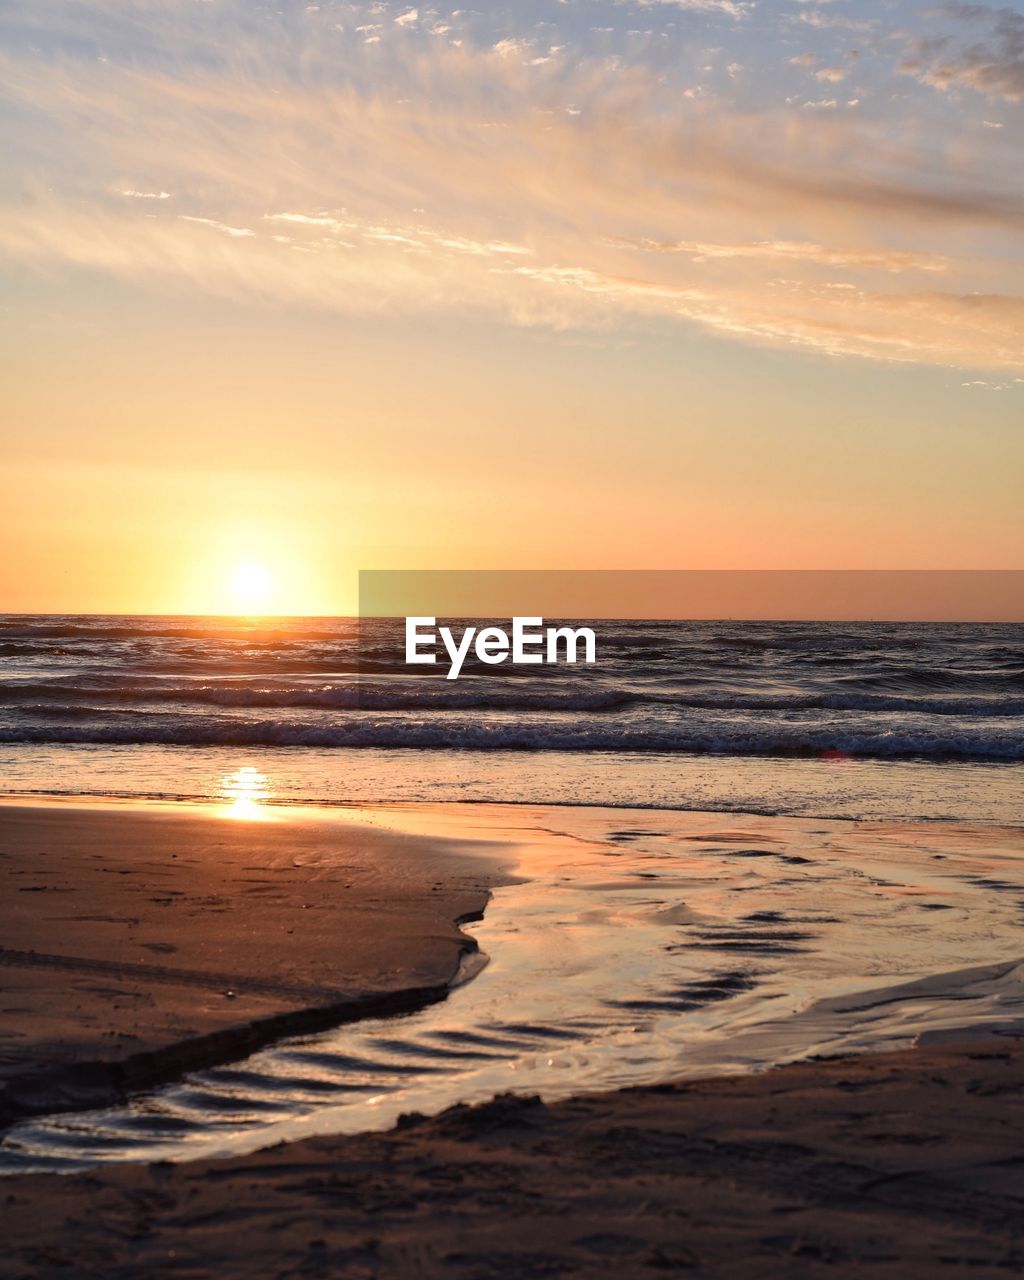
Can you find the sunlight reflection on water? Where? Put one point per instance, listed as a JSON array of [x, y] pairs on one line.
[[248, 794]]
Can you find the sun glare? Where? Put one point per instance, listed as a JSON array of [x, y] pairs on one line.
[[245, 792], [250, 586]]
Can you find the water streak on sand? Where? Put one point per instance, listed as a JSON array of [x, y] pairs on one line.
[[635, 949]]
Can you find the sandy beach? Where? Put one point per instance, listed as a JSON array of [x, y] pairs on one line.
[[139, 943], [891, 1164], [898, 1165]]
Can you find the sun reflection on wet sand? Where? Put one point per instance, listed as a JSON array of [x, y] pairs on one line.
[[626, 948], [247, 793]]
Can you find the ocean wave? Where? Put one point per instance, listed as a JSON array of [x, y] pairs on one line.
[[49, 696], [219, 629], [934, 692], [773, 739], [934, 678]]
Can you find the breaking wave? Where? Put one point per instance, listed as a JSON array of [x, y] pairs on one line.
[[934, 692]]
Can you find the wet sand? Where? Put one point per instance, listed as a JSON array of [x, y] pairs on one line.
[[137, 944], [891, 1165], [902, 1165]]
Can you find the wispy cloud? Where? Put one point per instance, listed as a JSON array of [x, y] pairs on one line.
[[237, 232], [993, 65], [496, 178], [801, 251], [734, 8]]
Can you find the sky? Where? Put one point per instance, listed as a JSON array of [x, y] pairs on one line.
[[294, 290]]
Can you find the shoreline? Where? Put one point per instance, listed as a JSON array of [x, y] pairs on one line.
[[204, 803], [626, 951], [845, 788], [872, 1163], [97, 896]]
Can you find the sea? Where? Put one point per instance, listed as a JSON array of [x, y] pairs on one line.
[[857, 720], [731, 844]]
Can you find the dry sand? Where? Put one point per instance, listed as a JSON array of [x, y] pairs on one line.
[[138, 944], [902, 1166]]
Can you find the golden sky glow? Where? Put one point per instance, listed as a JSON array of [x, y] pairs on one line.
[[695, 283]]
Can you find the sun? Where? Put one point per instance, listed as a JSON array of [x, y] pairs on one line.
[[250, 586]]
